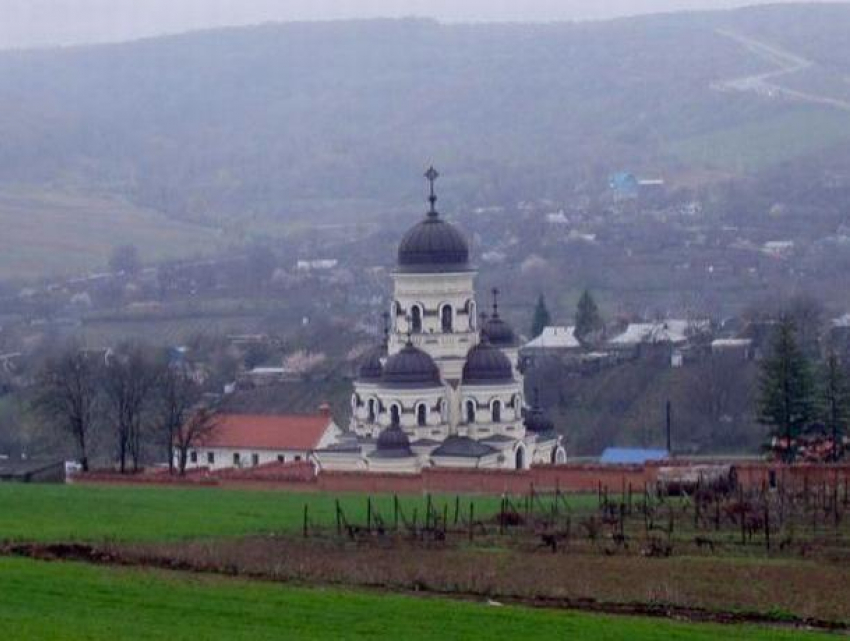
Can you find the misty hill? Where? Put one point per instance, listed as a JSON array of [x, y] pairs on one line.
[[281, 121]]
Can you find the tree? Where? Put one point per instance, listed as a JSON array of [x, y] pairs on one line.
[[834, 402], [128, 381], [541, 318], [201, 423], [68, 394], [178, 395], [125, 258], [589, 323], [785, 389]]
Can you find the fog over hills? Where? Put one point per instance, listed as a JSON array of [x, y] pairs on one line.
[[29, 23], [274, 121]]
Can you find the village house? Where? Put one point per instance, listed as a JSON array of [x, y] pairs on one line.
[[249, 440]]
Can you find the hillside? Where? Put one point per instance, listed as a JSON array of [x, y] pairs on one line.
[[296, 121], [48, 233]]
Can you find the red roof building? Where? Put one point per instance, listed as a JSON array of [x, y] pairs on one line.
[[248, 440]]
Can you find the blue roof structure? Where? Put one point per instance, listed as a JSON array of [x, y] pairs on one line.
[[624, 183], [632, 455]]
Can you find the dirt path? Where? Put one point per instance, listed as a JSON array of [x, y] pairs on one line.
[[765, 84], [597, 586]]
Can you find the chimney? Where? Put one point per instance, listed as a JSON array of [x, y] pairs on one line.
[[325, 409]]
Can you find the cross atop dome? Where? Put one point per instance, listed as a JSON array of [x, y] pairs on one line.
[[496, 293], [431, 175]]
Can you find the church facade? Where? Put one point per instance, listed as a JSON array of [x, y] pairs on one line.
[[444, 388]]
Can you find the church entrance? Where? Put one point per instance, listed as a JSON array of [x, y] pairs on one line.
[[520, 458]]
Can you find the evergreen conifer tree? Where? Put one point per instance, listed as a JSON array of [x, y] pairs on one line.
[[834, 402], [589, 323], [541, 318], [786, 395]]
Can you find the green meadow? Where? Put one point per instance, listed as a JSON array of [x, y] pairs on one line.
[[132, 513], [52, 601]]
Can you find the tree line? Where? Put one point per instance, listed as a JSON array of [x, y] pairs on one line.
[[141, 403]]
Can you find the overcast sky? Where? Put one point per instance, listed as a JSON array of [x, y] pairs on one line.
[[25, 23]]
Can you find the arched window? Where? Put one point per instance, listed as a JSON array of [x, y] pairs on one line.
[[416, 319], [446, 318], [421, 415], [372, 412], [395, 415], [497, 411], [517, 406], [520, 458], [470, 411]]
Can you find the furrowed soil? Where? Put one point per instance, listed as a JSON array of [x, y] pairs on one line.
[[797, 592]]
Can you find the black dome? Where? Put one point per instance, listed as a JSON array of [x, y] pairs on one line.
[[370, 367], [393, 443], [411, 366], [433, 245], [498, 332], [486, 364]]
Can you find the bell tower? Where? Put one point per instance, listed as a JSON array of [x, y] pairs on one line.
[[434, 291]]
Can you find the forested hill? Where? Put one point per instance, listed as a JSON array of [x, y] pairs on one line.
[[277, 119]]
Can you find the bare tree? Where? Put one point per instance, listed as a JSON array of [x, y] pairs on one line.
[[200, 424], [179, 395], [68, 395], [129, 380]]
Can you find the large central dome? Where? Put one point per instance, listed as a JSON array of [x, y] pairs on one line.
[[433, 245]]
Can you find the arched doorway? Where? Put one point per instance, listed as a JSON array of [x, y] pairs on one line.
[[520, 458]]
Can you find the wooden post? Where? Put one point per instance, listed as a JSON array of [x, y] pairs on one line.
[[767, 525], [305, 531], [457, 508], [369, 514], [395, 512], [428, 512], [502, 515], [471, 519], [338, 518]]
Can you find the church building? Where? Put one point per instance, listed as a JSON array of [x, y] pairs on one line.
[[444, 388]]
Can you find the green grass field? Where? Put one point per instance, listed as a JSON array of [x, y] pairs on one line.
[[90, 513], [46, 234], [48, 601]]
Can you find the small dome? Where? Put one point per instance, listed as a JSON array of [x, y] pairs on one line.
[[411, 366], [371, 368], [486, 364], [498, 332], [392, 443], [433, 246]]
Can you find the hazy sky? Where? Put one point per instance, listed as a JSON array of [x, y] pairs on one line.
[[25, 23]]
